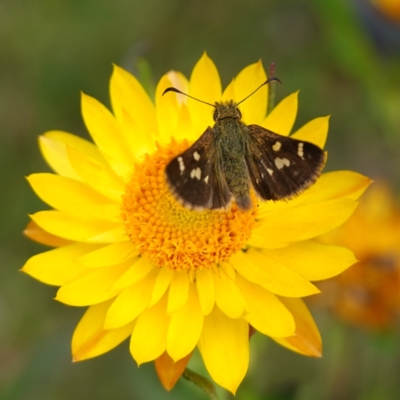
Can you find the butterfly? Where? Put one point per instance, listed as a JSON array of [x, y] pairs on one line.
[[231, 158]]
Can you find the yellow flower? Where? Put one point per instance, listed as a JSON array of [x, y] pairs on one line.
[[169, 278], [389, 8], [368, 293]]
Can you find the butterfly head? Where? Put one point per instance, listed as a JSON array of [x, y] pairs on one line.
[[226, 110]]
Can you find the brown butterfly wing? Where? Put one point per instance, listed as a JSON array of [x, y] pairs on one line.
[[195, 176], [281, 167]]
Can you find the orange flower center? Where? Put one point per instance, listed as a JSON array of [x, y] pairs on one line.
[[168, 233]]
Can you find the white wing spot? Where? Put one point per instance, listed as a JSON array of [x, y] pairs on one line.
[[196, 173], [206, 179], [300, 151], [281, 162], [276, 146], [270, 171], [196, 156], [181, 164]]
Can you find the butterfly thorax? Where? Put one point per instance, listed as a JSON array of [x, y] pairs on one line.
[[231, 137]]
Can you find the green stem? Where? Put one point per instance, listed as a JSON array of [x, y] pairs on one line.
[[271, 89], [203, 383]]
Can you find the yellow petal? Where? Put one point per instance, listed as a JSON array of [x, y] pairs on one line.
[[138, 269], [251, 271], [58, 267], [92, 288], [161, 284], [72, 227], [168, 106], [135, 112], [184, 129], [263, 237], [307, 340], [130, 303], [179, 81], [107, 134], [205, 85], [313, 261], [53, 145], [149, 337], [228, 297], [205, 289], [281, 119], [97, 174], [66, 194], [296, 222], [34, 232], [169, 371], [112, 236], [255, 107], [229, 270], [90, 339], [266, 313], [185, 327], [112, 254], [178, 291], [278, 278], [329, 215], [335, 185], [224, 346], [314, 131], [229, 92]]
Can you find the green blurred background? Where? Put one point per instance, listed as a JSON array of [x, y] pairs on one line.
[[344, 56]]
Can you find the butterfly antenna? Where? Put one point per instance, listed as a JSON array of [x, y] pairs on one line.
[[272, 79], [172, 89]]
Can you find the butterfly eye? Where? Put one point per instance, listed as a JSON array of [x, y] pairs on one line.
[[215, 115], [239, 113]]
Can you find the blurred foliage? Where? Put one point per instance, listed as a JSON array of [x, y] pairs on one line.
[[344, 56]]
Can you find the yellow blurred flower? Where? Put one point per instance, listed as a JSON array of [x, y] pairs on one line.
[[169, 278], [368, 293], [390, 8]]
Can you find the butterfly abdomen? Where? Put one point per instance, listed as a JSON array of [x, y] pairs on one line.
[[231, 137]]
